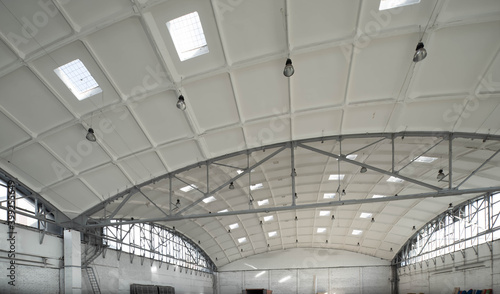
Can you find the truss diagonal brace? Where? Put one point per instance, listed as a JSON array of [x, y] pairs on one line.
[[379, 170], [234, 178]]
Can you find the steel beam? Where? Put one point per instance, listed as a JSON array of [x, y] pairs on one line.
[[477, 169], [442, 193], [370, 167]]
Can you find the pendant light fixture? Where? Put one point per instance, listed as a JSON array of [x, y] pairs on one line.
[[90, 135], [288, 71], [420, 52], [180, 103]]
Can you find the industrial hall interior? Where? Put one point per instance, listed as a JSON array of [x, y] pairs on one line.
[[250, 146]]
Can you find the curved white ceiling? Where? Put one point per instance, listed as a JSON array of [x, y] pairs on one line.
[[353, 75]]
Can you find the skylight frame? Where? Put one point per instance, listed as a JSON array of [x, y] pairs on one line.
[[188, 36], [209, 199], [390, 4], [328, 195], [336, 177], [188, 188], [72, 75]]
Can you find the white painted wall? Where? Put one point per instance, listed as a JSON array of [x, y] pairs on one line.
[[304, 271], [32, 276], [115, 276], [481, 271]]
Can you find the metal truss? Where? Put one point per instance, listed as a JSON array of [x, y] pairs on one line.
[[155, 243], [466, 225], [85, 219], [44, 212]]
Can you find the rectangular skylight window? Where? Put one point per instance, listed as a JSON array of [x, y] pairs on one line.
[[188, 37], [234, 226], [256, 186], [188, 188], [328, 195], [272, 234], [324, 213], [78, 79], [209, 199], [260, 274], [336, 177], [222, 211], [357, 232], [425, 159], [365, 215], [351, 156], [395, 180], [268, 218], [378, 196], [240, 171], [263, 202], [321, 230], [388, 4], [241, 240]]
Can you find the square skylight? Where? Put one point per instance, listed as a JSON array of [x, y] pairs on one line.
[[365, 215], [425, 159], [357, 232], [241, 240], [256, 186], [336, 177], [268, 218], [263, 202], [321, 230], [324, 213], [188, 36], [78, 79], [234, 226], [388, 4], [209, 199], [272, 234], [328, 195], [395, 180], [378, 196], [188, 188], [222, 211]]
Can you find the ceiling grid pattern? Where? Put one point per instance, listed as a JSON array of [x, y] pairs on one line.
[[353, 75]]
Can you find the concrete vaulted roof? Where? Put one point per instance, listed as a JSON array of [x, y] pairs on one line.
[[354, 74]]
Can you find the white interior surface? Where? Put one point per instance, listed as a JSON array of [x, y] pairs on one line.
[[353, 74]]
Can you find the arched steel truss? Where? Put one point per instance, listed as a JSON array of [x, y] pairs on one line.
[[86, 220]]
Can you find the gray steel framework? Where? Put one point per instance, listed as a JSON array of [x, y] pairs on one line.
[[85, 219], [458, 229]]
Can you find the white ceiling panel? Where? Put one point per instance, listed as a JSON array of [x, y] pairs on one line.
[[369, 119], [83, 13], [31, 102], [77, 152], [68, 196], [106, 180], [255, 101], [267, 131], [30, 27], [12, 133], [222, 142], [162, 122], [392, 56], [126, 40], [120, 132], [7, 57], [456, 10], [320, 124], [320, 79], [143, 167], [43, 168], [181, 154], [46, 65], [218, 111], [244, 36], [436, 76], [326, 21]]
